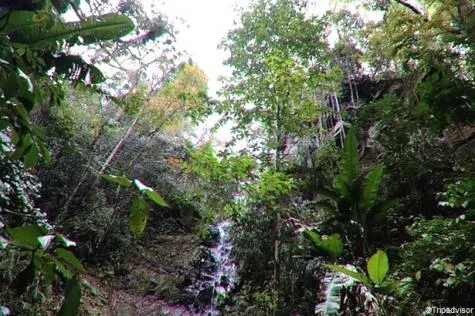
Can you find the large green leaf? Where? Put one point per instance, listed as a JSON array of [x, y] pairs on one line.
[[26, 236], [72, 300], [378, 266], [32, 156], [138, 216], [48, 270], [343, 188], [355, 275], [28, 27], [75, 68], [62, 269], [371, 188], [349, 164], [103, 28], [70, 259], [119, 180], [155, 197], [150, 193]]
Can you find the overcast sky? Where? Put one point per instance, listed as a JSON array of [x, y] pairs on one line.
[[207, 22]]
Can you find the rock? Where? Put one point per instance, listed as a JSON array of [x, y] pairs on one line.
[[206, 295], [224, 281]]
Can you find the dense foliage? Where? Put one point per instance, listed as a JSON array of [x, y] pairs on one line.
[[359, 156]]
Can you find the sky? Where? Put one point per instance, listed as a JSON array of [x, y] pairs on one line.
[[206, 24]]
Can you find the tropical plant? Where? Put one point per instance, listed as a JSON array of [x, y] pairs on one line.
[[37, 39], [355, 195], [331, 245], [377, 268], [439, 260], [47, 258], [140, 209]]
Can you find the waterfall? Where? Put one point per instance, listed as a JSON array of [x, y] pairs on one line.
[[217, 276]]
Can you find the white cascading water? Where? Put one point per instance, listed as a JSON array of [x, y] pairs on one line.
[[225, 275], [218, 273], [214, 283]]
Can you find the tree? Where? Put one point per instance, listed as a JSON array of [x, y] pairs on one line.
[[276, 57], [184, 92]]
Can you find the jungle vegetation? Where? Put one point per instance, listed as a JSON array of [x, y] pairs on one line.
[[359, 132]]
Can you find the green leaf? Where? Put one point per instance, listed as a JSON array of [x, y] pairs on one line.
[[332, 245], [75, 68], [45, 154], [418, 275], [138, 216], [350, 159], [22, 147], [49, 271], [371, 188], [355, 275], [343, 188], [72, 299], [10, 85], [45, 241], [26, 236], [67, 274], [119, 180], [155, 197], [25, 27], [70, 259], [15, 137], [378, 266], [32, 156]]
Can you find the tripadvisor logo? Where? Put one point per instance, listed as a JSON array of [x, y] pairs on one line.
[[448, 310]]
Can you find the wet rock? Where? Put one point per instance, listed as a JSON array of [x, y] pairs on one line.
[[216, 273], [206, 295], [224, 281]]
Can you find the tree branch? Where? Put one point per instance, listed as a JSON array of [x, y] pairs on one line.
[[412, 7]]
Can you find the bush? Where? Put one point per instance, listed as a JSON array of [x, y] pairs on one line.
[[441, 259], [18, 190]]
